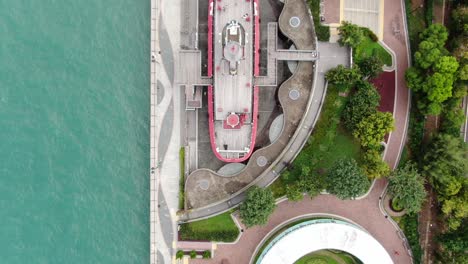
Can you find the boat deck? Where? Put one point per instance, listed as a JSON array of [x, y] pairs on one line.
[[232, 93]]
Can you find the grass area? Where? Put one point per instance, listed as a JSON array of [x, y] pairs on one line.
[[322, 32], [328, 143], [327, 257], [409, 225], [219, 228], [368, 48], [396, 205], [182, 178]]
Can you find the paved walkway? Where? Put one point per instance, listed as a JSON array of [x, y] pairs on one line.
[[365, 212], [395, 37]]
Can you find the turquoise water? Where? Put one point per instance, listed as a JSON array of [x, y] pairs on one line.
[[74, 103]]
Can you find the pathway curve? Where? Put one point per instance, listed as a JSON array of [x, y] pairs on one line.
[[396, 38], [365, 212]]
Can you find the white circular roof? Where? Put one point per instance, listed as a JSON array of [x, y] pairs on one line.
[[306, 237]]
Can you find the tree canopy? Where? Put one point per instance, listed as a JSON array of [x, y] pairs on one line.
[[446, 164], [343, 77], [370, 66], [372, 129], [407, 185], [350, 34], [434, 73], [362, 103], [346, 180], [257, 207]]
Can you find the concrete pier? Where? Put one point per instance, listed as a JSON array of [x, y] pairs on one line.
[[154, 164]]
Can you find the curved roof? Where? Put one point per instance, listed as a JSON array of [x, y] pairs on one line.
[[306, 237]]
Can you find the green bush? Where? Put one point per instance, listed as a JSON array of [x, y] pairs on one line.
[[396, 205], [179, 254], [193, 254], [409, 225], [370, 34], [187, 233], [346, 180], [206, 254], [322, 32]]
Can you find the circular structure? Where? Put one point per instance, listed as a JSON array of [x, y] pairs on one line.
[[294, 94], [294, 21], [204, 184], [318, 234], [233, 120], [262, 161]]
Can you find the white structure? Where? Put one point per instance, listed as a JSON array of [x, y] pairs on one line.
[[307, 237]]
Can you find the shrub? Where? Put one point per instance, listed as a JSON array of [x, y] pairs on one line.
[[346, 180], [257, 207], [370, 34], [362, 104], [293, 192], [206, 254], [179, 254], [344, 78], [373, 165], [350, 34], [193, 254], [322, 32], [370, 66], [407, 186], [429, 13], [409, 224], [372, 129]]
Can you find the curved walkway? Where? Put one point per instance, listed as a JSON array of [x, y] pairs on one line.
[[396, 38], [365, 212]]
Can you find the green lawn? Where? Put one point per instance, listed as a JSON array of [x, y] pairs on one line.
[[328, 143], [182, 178], [327, 257], [217, 228], [369, 48]]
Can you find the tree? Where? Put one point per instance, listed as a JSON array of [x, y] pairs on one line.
[[179, 254], [446, 164], [455, 208], [407, 185], [414, 78], [343, 77], [206, 254], [427, 54], [346, 180], [350, 34], [257, 207], [435, 33], [372, 129], [362, 103], [452, 120], [294, 192], [370, 66], [374, 167]]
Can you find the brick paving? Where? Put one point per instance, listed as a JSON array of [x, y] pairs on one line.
[[395, 38], [364, 212]]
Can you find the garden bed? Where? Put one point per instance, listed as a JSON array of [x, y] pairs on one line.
[[368, 48], [328, 143], [219, 228]]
